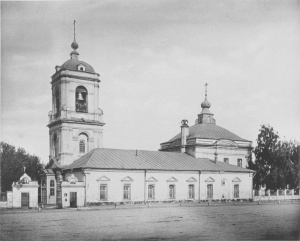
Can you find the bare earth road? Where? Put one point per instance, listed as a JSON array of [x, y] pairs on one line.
[[193, 222]]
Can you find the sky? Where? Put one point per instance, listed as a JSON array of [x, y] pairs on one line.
[[154, 58]]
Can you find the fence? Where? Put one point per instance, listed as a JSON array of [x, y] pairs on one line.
[[280, 194]]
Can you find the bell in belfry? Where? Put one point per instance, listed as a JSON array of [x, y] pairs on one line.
[[80, 96]]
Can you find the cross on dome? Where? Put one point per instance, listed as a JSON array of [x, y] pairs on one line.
[[74, 45], [205, 103]]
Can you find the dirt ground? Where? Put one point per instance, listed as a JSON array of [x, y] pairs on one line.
[[194, 222]]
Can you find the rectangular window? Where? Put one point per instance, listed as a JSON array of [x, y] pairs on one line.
[[52, 188], [191, 191], [151, 194], [239, 162], [236, 193], [51, 191], [210, 191], [226, 160], [172, 191], [126, 191], [103, 192]]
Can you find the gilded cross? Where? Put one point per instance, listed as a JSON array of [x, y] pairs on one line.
[[206, 89]]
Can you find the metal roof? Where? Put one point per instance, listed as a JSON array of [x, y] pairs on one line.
[[209, 131], [72, 64], [104, 158]]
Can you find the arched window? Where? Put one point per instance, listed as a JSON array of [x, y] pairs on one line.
[[81, 99], [55, 145], [83, 143]]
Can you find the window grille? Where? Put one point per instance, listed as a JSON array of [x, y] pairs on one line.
[[172, 191], [81, 146], [126, 192]]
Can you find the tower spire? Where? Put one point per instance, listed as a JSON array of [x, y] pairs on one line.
[[206, 90], [74, 45]]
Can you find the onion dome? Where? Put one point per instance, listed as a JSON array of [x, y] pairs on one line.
[[205, 104], [74, 45]]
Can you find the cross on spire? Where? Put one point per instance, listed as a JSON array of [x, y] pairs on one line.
[[206, 90], [74, 29], [24, 168]]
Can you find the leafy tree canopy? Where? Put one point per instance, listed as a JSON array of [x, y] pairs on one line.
[[12, 163], [276, 162]]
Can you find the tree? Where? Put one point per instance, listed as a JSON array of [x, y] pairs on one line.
[[12, 163], [276, 162]]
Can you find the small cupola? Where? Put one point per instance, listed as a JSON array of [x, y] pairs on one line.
[[74, 54], [24, 179], [205, 117]]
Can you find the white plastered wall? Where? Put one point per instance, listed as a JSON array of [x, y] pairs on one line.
[[161, 180]]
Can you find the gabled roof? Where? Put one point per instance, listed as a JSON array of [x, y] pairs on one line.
[[104, 158], [209, 131]]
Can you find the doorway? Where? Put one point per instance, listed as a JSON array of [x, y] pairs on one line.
[[73, 199], [25, 200], [44, 195]]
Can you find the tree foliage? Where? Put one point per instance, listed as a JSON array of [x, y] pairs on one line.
[[276, 162], [12, 163]]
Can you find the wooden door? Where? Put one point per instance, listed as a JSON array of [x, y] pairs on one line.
[[73, 199], [25, 199]]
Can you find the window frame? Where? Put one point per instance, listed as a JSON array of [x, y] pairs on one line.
[[105, 192], [127, 192], [236, 191], [152, 197], [226, 160], [172, 191], [240, 162], [52, 188], [193, 191], [82, 142], [210, 190]]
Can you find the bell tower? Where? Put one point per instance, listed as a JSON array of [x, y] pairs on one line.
[[76, 121]]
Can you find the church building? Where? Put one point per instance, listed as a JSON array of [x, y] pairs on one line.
[[203, 162]]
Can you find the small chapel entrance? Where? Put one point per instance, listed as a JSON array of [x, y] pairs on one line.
[[73, 199], [25, 200]]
